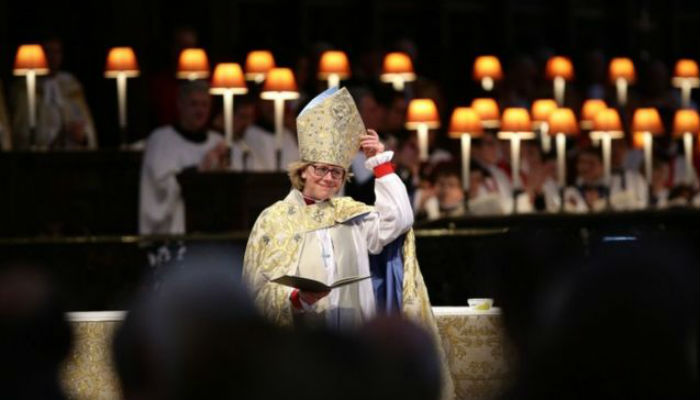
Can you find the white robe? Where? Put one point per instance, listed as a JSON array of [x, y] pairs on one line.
[[371, 232], [261, 148], [161, 208]]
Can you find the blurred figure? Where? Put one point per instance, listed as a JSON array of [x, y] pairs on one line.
[[628, 189], [520, 83], [253, 149], [264, 127], [497, 190], [5, 126], [63, 119], [197, 337], [445, 198], [361, 185], [395, 106], [413, 369], [34, 335], [539, 176], [623, 326], [169, 151], [163, 85], [659, 177]]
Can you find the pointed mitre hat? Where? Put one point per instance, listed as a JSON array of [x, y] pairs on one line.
[[329, 128]]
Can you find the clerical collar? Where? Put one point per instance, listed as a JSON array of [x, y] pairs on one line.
[[199, 136], [310, 201]]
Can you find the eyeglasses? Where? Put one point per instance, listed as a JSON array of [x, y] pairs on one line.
[[321, 170]]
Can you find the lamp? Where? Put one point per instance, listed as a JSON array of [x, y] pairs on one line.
[[422, 115], [589, 110], [488, 112], [646, 123], [193, 64], [279, 86], [515, 126], [606, 127], [397, 69], [333, 67], [686, 123], [487, 70], [541, 109], [257, 64], [559, 69], [121, 64], [562, 123], [686, 76], [465, 123], [30, 61], [622, 74], [228, 81]]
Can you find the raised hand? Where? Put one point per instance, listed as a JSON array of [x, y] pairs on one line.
[[370, 143]]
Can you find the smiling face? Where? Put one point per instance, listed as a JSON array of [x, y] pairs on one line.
[[322, 181]]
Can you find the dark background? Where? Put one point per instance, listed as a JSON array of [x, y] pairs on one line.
[[448, 34]]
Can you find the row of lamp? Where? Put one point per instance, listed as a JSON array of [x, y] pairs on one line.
[[560, 69], [515, 124]]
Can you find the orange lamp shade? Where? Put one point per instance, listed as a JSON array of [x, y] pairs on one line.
[[258, 63], [562, 120], [193, 64], [465, 120], [334, 62], [647, 120], [686, 68], [622, 68], [422, 111], [397, 63], [486, 108], [541, 109], [560, 66], [487, 67], [607, 120], [121, 60], [30, 57], [516, 120], [686, 121], [228, 77], [591, 107], [280, 80]]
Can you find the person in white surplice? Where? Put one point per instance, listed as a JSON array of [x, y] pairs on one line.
[[170, 150]]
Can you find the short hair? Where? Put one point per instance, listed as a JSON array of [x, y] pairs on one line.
[[294, 170], [189, 87]]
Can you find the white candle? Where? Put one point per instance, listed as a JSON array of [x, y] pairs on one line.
[[685, 93], [561, 160], [423, 142], [621, 84], [559, 87], [545, 139], [515, 160], [333, 80], [466, 149], [487, 83], [121, 98], [688, 147], [31, 93], [228, 116], [279, 115], [648, 143]]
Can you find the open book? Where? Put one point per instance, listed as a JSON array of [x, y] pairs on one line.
[[312, 285]]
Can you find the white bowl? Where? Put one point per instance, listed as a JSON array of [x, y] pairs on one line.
[[480, 304]]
